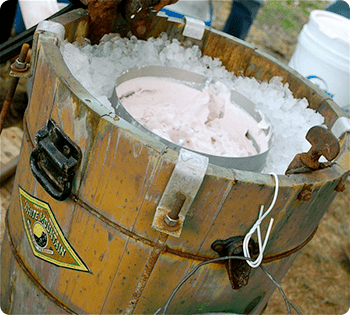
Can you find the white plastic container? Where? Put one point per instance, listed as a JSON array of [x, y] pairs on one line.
[[322, 54], [201, 10], [35, 11]]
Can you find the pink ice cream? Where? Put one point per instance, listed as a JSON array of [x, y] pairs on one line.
[[202, 120]]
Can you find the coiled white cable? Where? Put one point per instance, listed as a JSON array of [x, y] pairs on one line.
[[256, 227]]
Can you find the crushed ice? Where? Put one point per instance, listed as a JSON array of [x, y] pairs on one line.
[[98, 67]]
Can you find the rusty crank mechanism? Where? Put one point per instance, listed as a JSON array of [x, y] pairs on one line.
[[122, 16], [323, 142]]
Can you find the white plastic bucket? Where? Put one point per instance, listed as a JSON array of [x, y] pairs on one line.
[[322, 54], [201, 10], [34, 11]]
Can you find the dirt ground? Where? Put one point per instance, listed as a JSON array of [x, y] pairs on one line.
[[319, 280]]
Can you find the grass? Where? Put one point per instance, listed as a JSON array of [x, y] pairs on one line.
[[290, 15]]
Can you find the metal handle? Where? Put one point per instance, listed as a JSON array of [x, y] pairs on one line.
[[41, 174], [54, 160]]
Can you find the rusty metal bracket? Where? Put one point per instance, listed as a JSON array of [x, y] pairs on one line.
[[238, 270], [180, 192]]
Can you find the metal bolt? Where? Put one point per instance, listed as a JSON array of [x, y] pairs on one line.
[[238, 250], [53, 135], [42, 162], [66, 150], [340, 187], [12, 88], [172, 217], [169, 221], [19, 66], [305, 194]]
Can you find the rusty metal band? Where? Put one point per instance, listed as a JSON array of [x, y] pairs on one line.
[[146, 273], [75, 199], [270, 258], [28, 273]]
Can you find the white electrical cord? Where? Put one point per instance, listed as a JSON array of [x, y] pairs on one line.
[[256, 227]]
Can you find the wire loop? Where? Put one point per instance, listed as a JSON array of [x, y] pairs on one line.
[[256, 227]]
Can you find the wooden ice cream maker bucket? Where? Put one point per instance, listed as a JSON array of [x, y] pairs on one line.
[[88, 245]]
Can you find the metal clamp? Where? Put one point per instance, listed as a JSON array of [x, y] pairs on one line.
[[48, 30], [194, 28], [341, 126], [180, 192], [54, 29]]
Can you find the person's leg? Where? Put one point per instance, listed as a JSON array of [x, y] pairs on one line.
[[339, 7], [241, 17], [7, 14]]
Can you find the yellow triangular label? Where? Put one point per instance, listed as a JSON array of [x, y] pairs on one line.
[[45, 235]]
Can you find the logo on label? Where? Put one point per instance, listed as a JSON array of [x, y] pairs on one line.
[[45, 235], [320, 83]]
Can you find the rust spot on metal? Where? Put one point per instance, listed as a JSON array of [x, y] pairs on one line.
[[340, 186], [323, 143], [78, 106], [305, 193], [93, 121]]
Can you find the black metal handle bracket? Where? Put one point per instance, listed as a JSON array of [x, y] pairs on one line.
[[55, 160]]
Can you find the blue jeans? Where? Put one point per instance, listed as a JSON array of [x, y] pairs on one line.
[[339, 7], [242, 15]]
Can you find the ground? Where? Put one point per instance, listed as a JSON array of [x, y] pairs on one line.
[[319, 280]]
